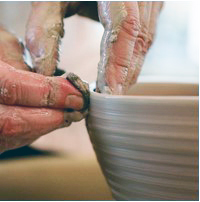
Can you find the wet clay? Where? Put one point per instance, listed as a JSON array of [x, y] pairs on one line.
[[111, 16], [129, 32], [83, 87]]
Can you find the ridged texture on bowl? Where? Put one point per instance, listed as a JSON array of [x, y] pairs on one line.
[[147, 147]]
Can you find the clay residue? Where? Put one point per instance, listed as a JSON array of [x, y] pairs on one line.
[[111, 15]]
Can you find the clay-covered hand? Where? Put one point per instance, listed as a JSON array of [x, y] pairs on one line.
[[31, 104], [45, 29], [129, 32]]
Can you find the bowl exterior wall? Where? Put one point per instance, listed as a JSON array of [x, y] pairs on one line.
[[147, 147]]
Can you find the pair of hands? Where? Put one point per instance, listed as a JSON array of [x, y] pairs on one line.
[[34, 103]]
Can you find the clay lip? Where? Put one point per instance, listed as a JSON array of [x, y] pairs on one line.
[[153, 96]]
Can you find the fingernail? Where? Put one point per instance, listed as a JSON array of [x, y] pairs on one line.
[[73, 116], [74, 102]]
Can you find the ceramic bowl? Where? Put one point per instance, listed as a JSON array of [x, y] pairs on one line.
[[147, 142]]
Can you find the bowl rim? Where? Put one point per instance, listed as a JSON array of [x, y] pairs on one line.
[[151, 97]]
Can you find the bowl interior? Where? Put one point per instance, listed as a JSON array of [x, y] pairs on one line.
[[164, 89], [157, 92]]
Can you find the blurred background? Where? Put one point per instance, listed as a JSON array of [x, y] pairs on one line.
[[174, 56]]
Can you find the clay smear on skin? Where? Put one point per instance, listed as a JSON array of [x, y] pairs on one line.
[[43, 35], [111, 16], [46, 56], [3, 94], [49, 97]]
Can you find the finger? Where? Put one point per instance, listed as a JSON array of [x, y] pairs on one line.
[[121, 23], [141, 46], [149, 12], [11, 50], [20, 126], [43, 34], [145, 13], [30, 89]]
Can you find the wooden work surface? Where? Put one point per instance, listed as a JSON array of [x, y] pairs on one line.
[[53, 178]]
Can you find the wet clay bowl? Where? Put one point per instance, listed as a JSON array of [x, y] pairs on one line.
[[147, 143]]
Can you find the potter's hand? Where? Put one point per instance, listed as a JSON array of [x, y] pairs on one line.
[[129, 32], [45, 29], [27, 99]]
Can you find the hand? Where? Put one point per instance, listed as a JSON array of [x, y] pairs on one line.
[[129, 32], [26, 98], [45, 29]]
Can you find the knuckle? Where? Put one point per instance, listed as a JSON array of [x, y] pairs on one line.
[[49, 96], [121, 62], [9, 129], [13, 125], [149, 40], [131, 26], [144, 41], [7, 92], [134, 29], [141, 42]]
